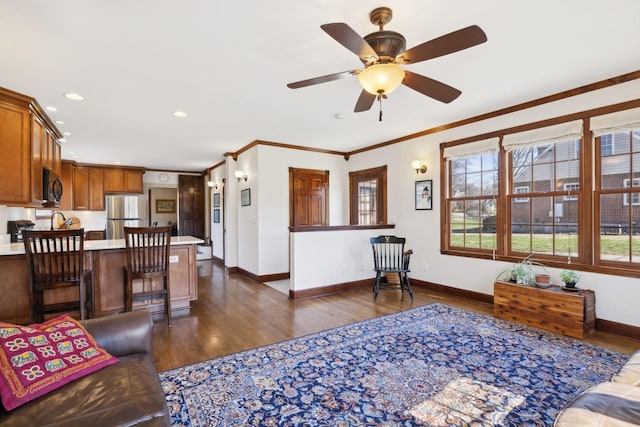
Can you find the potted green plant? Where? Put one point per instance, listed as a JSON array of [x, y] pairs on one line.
[[522, 272], [570, 278]]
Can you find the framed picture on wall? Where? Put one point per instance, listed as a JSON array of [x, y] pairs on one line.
[[216, 200], [165, 206], [216, 215], [424, 195], [245, 197]]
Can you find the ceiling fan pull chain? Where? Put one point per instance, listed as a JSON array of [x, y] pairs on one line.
[[380, 101]]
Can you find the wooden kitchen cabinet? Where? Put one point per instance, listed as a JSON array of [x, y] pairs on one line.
[[45, 153], [15, 161], [28, 142], [88, 188], [66, 176], [108, 270], [123, 180]]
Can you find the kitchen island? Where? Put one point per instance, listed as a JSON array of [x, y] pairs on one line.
[[106, 260]]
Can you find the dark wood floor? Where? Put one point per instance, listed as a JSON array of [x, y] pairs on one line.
[[234, 313]]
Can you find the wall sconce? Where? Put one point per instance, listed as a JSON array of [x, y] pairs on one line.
[[212, 184], [419, 166], [241, 175]]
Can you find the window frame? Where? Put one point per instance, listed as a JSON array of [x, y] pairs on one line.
[[464, 199], [379, 174], [588, 195]]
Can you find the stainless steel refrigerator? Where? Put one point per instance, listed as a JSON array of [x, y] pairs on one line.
[[125, 210]]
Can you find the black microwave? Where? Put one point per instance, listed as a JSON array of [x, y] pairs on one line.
[[51, 187]]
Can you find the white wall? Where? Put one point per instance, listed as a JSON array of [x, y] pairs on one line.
[[349, 258], [616, 297], [263, 234], [273, 199], [248, 238], [217, 231]]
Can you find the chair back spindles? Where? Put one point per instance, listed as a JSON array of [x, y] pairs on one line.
[[391, 263], [147, 259], [55, 259]]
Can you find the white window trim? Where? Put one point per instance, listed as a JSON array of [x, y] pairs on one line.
[[635, 197], [571, 187], [612, 144], [517, 190]]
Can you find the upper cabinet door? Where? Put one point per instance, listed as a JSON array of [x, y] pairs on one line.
[[15, 161], [123, 180]]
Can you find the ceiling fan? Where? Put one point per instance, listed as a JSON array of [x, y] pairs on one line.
[[381, 53]]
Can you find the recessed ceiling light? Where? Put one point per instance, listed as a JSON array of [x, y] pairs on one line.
[[51, 108], [180, 114], [62, 140], [74, 96], [59, 122], [66, 133], [117, 162]]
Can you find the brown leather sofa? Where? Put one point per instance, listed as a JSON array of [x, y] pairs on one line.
[[614, 403], [124, 394]]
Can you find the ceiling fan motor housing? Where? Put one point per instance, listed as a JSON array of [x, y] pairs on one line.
[[387, 44]]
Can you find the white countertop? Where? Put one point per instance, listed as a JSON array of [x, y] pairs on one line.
[[96, 245]]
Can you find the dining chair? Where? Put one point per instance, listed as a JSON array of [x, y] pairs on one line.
[[391, 264], [55, 260], [147, 250]]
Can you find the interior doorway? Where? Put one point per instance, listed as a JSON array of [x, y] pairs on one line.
[[163, 207]]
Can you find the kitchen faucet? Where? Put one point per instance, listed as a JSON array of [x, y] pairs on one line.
[[67, 222]]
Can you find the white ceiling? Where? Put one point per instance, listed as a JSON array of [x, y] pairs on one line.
[[227, 64]]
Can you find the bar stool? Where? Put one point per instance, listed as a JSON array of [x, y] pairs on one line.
[[147, 259], [55, 260]]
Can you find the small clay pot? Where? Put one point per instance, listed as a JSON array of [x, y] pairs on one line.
[[543, 279]]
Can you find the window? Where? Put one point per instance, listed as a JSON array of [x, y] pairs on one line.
[[368, 196], [540, 223], [571, 188], [618, 200], [521, 190], [562, 198], [473, 184], [635, 197]]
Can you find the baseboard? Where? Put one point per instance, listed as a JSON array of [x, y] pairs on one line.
[[602, 325], [273, 277], [621, 329], [247, 273], [217, 260], [449, 290], [327, 290]]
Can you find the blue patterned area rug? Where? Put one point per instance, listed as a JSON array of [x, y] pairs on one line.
[[434, 365]]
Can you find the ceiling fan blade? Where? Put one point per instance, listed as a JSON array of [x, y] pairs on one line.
[[365, 101], [444, 45], [322, 79], [431, 88], [347, 37]]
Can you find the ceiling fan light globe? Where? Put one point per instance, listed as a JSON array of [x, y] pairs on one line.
[[381, 78]]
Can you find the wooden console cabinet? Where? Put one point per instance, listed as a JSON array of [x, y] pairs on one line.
[[568, 313]]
